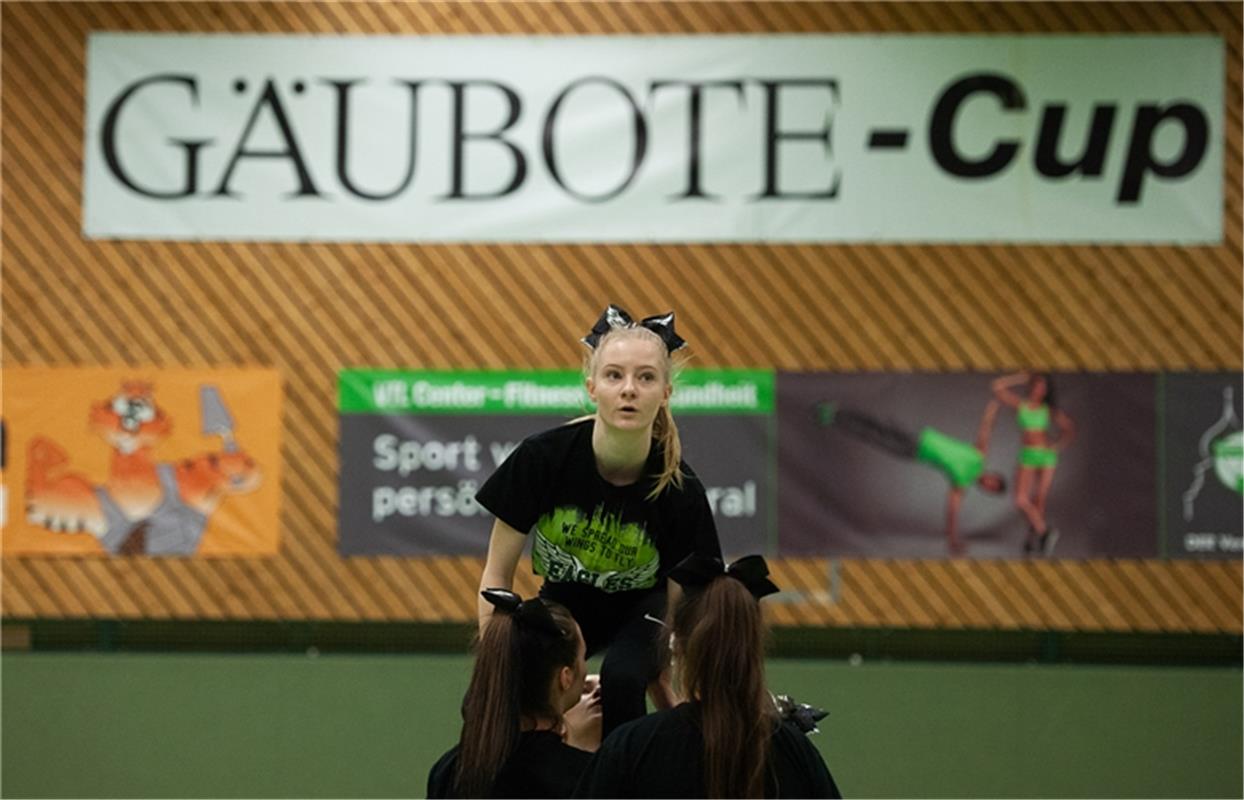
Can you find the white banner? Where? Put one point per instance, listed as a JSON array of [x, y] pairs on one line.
[[655, 138]]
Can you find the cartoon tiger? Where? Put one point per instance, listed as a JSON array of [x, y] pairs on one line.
[[133, 424], [191, 490], [143, 506]]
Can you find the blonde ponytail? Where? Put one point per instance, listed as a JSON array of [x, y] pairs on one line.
[[665, 433]]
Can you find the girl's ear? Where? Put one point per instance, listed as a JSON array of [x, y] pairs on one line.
[[591, 389], [565, 678]]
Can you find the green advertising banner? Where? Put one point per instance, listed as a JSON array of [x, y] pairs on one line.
[[415, 445]]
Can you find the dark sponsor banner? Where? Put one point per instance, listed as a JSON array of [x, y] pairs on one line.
[[733, 455], [1203, 465], [416, 445], [880, 482], [408, 482], [1120, 465]]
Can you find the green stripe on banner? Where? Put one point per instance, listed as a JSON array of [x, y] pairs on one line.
[[724, 391], [377, 391], [462, 392]]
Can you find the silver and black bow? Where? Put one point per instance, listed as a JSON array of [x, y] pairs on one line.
[[532, 614], [751, 571], [613, 317], [801, 715]]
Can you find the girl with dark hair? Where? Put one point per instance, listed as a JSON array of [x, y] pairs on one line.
[[612, 507], [526, 728], [727, 740], [1035, 410]]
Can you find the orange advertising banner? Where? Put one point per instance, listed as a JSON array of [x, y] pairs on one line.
[[141, 462]]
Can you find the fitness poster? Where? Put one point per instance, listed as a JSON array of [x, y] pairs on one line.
[[415, 446], [871, 465]]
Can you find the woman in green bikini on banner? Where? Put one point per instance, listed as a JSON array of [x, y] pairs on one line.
[[1035, 410]]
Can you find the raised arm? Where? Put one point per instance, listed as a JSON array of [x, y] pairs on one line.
[[1002, 388], [505, 547]]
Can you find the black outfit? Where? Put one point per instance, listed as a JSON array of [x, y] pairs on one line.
[[603, 550], [662, 755], [542, 765]]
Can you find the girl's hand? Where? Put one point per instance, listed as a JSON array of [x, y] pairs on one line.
[[583, 721]]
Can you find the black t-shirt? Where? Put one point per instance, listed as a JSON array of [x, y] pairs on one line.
[[593, 538], [661, 755], [542, 765]]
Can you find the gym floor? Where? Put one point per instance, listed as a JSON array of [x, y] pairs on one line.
[[239, 725]]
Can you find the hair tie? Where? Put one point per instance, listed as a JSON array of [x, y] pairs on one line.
[[613, 318], [532, 614], [751, 571]]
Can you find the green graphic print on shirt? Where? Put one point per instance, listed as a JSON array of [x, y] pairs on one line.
[[601, 551]]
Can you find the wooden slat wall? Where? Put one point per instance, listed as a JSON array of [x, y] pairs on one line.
[[301, 308]]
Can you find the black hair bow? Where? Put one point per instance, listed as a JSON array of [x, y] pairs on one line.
[[662, 325], [801, 715], [533, 613], [751, 571]]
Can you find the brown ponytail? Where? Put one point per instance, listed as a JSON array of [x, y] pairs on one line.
[[719, 639], [514, 669]]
